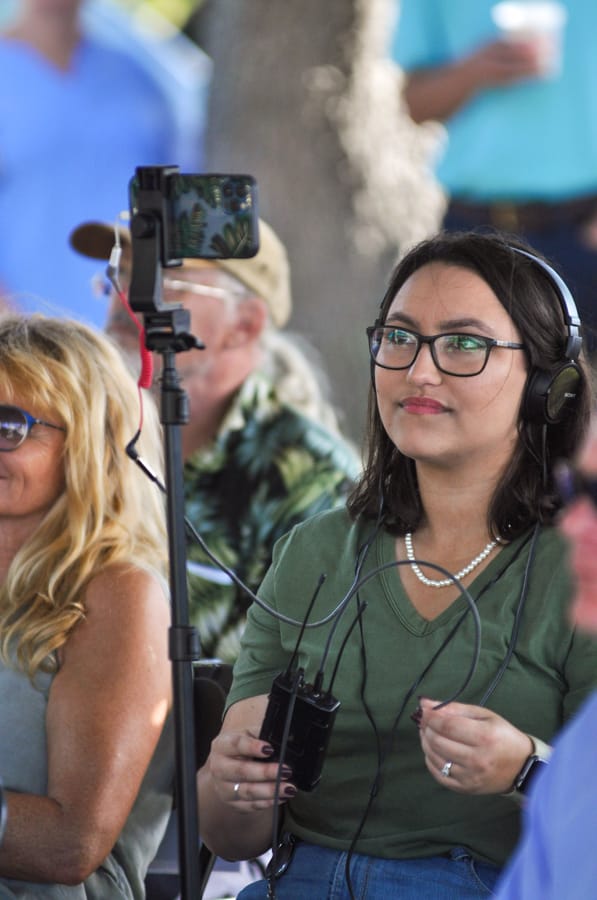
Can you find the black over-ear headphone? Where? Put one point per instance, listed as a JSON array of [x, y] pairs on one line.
[[550, 394]]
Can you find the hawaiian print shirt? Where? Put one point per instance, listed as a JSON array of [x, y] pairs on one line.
[[268, 469]]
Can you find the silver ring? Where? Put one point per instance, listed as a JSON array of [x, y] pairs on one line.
[[446, 769], [236, 789]]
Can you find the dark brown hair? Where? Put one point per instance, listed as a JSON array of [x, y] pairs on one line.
[[524, 495]]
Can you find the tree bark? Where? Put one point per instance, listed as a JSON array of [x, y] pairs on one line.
[[294, 81]]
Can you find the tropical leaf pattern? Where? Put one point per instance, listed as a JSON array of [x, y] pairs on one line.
[[269, 469], [193, 229]]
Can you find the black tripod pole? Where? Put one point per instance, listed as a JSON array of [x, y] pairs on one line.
[[183, 640], [167, 332]]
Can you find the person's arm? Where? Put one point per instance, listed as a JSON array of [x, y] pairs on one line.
[[106, 709], [238, 824], [438, 92]]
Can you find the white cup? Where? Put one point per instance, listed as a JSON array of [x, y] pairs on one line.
[[540, 23]]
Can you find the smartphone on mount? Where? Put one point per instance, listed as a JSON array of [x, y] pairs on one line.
[[209, 216]]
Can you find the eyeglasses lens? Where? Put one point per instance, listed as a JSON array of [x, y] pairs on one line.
[[176, 286], [461, 354], [393, 347], [13, 428]]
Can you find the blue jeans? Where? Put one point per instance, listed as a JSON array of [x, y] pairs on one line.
[[318, 873]]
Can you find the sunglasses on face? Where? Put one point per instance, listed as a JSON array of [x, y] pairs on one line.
[[16, 425], [572, 485]]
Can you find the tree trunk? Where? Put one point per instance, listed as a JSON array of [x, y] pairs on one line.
[[303, 99]]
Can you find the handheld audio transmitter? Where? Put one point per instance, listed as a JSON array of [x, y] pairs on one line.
[[310, 730]]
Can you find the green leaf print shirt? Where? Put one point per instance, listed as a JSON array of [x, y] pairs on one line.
[[269, 468]]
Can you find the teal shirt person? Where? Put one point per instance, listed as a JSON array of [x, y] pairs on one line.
[[269, 468], [533, 140]]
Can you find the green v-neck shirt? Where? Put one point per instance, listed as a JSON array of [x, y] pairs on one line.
[[551, 671]]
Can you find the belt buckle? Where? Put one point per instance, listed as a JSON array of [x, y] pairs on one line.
[[505, 216], [281, 856]]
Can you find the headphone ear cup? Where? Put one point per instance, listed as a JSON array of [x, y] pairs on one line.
[[550, 395]]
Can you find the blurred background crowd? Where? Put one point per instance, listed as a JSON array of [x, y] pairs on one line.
[[316, 101], [367, 124], [340, 166]]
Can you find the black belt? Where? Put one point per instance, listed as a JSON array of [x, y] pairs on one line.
[[532, 216]]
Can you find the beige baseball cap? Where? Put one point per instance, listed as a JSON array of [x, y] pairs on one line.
[[267, 273]]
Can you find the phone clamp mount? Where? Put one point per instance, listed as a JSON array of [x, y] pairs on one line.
[[167, 331]]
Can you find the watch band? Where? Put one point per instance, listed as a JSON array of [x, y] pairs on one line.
[[540, 748], [532, 765]]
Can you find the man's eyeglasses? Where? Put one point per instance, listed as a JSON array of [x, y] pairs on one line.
[[102, 287], [16, 425], [462, 355], [572, 484], [203, 290]]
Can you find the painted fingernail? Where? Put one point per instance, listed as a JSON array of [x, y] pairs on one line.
[[289, 790], [267, 750], [285, 771]]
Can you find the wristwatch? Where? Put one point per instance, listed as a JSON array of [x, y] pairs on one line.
[[532, 765]]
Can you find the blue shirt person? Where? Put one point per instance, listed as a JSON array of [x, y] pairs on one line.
[[81, 114], [556, 858]]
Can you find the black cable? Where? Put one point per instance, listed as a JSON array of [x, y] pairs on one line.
[[517, 617], [361, 557], [318, 587], [379, 751], [132, 453], [336, 615], [297, 683], [423, 562], [298, 676], [358, 618], [381, 754], [288, 620]]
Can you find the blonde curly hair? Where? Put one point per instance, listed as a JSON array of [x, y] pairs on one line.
[[108, 511]]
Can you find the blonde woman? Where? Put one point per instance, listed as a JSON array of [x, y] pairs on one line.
[[85, 749]]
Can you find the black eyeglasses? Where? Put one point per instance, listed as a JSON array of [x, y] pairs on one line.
[[462, 355], [16, 425], [572, 484]]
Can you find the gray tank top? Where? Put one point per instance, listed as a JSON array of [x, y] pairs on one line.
[[23, 755]]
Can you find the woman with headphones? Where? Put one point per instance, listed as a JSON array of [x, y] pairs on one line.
[[437, 660]]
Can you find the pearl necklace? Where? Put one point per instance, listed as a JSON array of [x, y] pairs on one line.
[[445, 582]]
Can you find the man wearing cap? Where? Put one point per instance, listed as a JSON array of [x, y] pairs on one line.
[[261, 450]]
